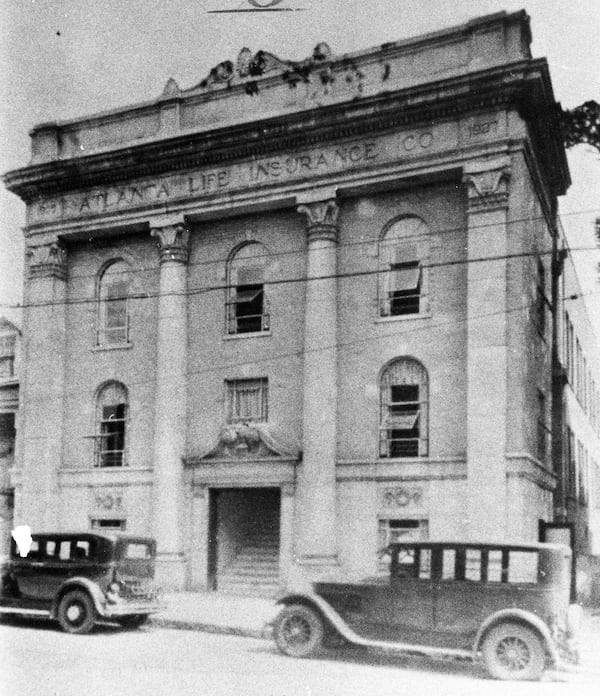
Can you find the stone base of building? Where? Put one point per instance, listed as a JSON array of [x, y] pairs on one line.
[[170, 572]]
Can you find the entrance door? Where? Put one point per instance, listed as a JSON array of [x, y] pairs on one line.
[[243, 533]]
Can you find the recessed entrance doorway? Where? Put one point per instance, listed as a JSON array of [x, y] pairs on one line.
[[243, 534]]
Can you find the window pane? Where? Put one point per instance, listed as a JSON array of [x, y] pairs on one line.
[[425, 564], [406, 564], [405, 277], [448, 564], [494, 568], [522, 566], [65, 550], [247, 400], [473, 565]]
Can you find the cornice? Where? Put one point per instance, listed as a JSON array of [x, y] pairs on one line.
[[502, 87]]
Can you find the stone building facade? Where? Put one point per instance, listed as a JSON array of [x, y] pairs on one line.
[[10, 354], [302, 307]]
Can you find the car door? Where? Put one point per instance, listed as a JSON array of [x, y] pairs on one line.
[[23, 576], [57, 567], [462, 597], [401, 610]]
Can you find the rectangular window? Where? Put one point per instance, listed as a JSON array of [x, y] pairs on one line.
[[473, 565], [402, 422], [7, 434], [522, 566], [247, 400], [541, 299], [112, 436], [449, 564], [494, 566], [107, 524], [115, 313], [404, 292], [543, 432], [392, 531]]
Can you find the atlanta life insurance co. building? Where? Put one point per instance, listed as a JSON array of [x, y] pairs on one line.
[[257, 321]]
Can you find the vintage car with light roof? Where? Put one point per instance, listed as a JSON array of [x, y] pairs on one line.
[[508, 605]]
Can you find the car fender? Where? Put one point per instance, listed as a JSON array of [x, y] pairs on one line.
[[80, 583], [520, 616], [326, 610]]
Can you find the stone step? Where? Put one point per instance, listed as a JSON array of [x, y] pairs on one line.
[[269, 572]]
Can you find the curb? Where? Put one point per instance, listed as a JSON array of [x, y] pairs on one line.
[[264, 633]]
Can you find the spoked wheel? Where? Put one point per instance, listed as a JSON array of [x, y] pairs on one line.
[[76, 612], [298, 631], [512, 651]]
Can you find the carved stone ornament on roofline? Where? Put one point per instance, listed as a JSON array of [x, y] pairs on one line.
[[487, 183], [47, 261], [261, 63], [247, 441], [322, 219], [173, 241]]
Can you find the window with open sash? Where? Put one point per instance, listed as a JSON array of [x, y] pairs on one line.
[[247, 400], [403, 430], [111, 425], [113, 313], [401, 276], [246, 306]]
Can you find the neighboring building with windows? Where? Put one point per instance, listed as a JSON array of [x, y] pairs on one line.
[[303, 308], [580, 358], [10, 353]]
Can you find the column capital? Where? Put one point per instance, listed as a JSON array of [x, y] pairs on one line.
[[47, 260], [173, 236], [321, 218], [487, 184]]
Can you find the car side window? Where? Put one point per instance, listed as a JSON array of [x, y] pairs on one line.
[[405, 566], [64, 552], [473, 565], [81, 550], [449, 564]]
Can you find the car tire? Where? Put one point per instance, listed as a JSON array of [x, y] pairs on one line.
[[76, 613], [513, 651], [133, 620], [298, 631]]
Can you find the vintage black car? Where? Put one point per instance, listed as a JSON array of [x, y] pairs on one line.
[[506, 604], [80, 578]]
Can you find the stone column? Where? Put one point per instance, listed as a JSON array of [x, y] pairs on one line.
[[170, 399], [316, 489], [487, 347], [42, 387]]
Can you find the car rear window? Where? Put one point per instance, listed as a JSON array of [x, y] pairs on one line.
[[135, 551]]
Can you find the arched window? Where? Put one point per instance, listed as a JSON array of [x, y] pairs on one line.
[[111, 424], [402, 251], [246, 306], [404, 394], [113, 315]]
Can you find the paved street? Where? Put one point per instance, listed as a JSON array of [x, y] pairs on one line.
[[38, 659]]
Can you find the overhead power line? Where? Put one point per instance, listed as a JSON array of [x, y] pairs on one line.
[[280, 281]]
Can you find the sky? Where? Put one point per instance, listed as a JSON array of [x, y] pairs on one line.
[[68, 58]]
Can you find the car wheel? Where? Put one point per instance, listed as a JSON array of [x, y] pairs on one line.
[[512, 651], [298, 631], [133, 621], [76, 612]]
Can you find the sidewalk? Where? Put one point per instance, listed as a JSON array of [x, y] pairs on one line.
[[212, 612]]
